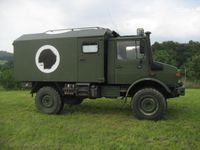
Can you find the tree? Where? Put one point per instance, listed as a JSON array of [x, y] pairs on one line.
[[7, 77], [165, 52], [164, 56], [7, 80], [194, 67]]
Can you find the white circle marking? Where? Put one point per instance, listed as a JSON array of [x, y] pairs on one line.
[[40, 65]]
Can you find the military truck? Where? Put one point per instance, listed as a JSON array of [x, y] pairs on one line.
[[69, 65]]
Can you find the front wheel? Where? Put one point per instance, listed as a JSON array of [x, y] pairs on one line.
[[48, 101], [148, 104]]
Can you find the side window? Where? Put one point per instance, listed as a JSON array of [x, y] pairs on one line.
[[128, 50], [90, 47]]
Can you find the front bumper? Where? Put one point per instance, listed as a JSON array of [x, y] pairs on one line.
[[179, 91]]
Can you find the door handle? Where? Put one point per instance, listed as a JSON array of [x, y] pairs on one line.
[[139, 66], [82, 59]]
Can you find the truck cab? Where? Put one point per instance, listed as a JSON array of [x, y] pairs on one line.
[[75, 64]]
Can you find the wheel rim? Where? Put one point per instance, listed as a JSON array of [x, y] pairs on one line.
[[47, 101], [148, 105]]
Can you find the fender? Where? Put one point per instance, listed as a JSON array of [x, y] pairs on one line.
[[147, 79], [37, 85]]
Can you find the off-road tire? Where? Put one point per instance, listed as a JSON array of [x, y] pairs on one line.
[[72, 100], [48, 101], [148, 103]]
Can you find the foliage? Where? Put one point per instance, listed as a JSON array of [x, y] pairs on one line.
[[194, 67], [6, 56], [164, 56], [182, 55], [7, 80], [97, 124], [2, 62], [7, 76]]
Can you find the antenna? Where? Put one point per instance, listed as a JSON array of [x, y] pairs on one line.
[[111, 18]]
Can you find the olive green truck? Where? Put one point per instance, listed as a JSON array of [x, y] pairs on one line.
[[69, 65]]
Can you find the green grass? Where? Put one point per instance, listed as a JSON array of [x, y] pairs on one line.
[[100, 124]]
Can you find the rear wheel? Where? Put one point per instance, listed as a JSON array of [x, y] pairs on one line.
[[48, 101], [149, 104], [72, 100]]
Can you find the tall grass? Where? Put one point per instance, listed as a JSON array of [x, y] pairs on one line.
[[195, 84]]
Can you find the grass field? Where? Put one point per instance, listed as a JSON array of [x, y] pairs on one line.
[[100, 124]]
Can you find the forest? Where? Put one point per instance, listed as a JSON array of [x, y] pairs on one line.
[[185, 56]]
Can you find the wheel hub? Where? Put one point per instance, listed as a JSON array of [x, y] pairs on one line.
[[47, 101], [148, 105]]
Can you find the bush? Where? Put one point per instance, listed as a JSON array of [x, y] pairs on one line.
[[7, 79]]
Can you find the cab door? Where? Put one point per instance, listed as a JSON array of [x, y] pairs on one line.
[[90, 60], [130, 62]]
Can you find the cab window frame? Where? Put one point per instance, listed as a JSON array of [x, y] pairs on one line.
[[137, 53]]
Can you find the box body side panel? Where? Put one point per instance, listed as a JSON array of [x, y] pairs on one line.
[[25, 68]]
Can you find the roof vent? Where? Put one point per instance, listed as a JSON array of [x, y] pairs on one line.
[[56, 32], [60, 31]]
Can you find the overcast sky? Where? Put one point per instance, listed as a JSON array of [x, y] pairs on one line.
[[177, 20]]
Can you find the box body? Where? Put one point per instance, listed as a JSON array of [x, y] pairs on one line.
[[59, 57]]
